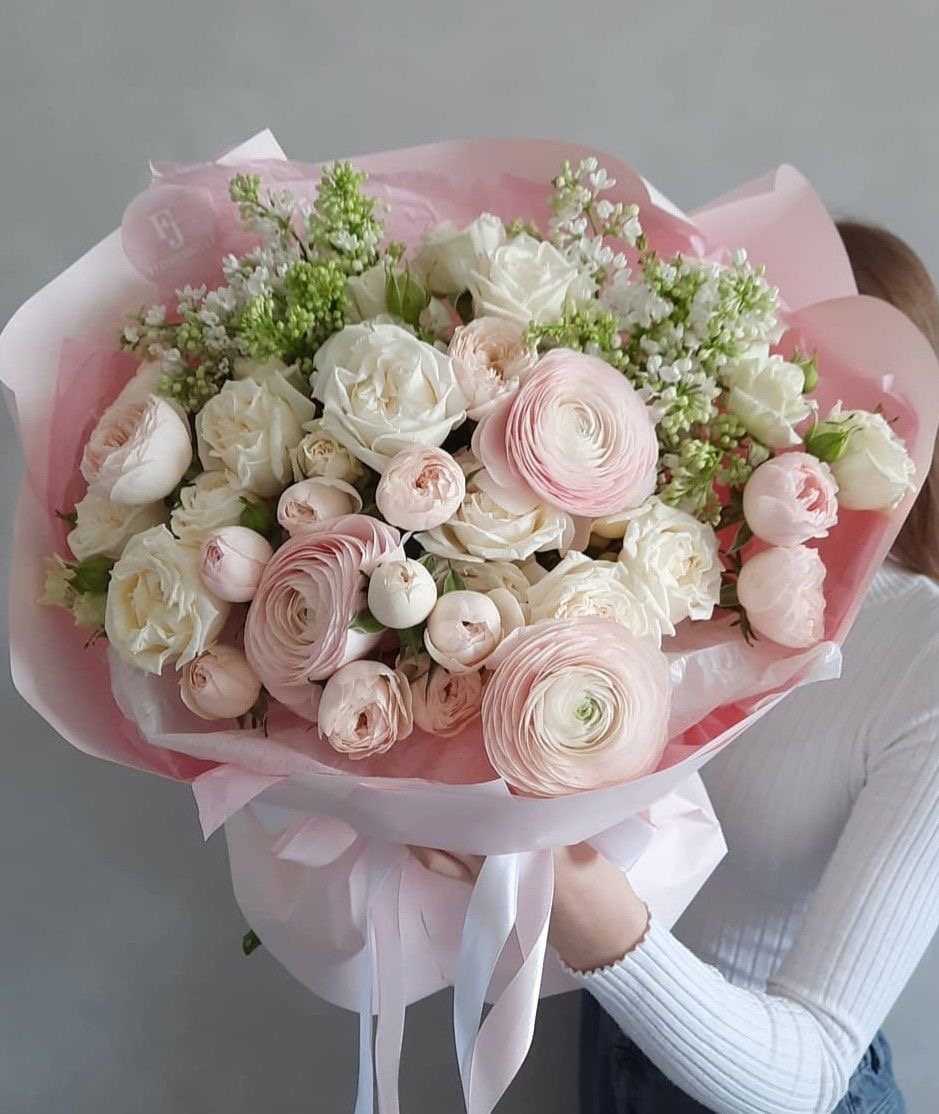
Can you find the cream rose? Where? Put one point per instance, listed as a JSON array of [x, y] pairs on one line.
[[207, 504], [401, 593], [139, 450], [384, 390], [365, 709], [366, 293], [421, 489], [320, 454], [875, 471], [249, 429], [579, 587], [463, 630], [526, 280], [158, 609], [765, 393], [446, 703], [489, 527], [489, 357], [448, 256], [672, 556], [105, 527]]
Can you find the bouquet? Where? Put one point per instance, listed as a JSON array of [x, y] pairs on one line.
[[470, 496]]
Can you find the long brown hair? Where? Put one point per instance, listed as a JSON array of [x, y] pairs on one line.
[[887, 268]]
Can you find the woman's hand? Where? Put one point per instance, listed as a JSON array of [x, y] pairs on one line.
[[596, 918]]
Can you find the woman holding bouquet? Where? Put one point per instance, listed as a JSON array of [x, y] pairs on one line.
[[769, 995]]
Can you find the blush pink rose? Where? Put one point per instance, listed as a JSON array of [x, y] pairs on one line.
[[219, 684], [297, 630], [463, 630], [421, 489], [490, 358], [446, 703], [575, 704], [790, 499], [232, 561], [314, 501], [781, 591], [575, 434], [365, 709], [139, 450]]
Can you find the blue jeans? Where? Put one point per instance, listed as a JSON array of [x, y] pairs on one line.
[[617, 1078]]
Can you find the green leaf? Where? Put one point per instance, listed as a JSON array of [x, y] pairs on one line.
[[412, 639], [744, 534], [69, 517], [258, 516], [366, 623], [250, 942], [92, 574], [828, 441], [453, 583], [429, 561], [405, 297]]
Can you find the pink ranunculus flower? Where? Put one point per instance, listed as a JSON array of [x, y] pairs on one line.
[[365, 709], [297, 630], [575, 704], [232, 561], [790, 499], [781, 590], [139, 450], [463, 630], [421, 489], [575, 434], [314, 501], [446, 703], [490, 358], [219, 684]]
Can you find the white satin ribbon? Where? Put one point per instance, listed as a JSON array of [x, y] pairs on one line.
[[513, 893]]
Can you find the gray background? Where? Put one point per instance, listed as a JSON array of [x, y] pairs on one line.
[[121, 982]]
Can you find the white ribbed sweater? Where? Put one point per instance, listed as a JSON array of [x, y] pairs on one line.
[[764, 998]]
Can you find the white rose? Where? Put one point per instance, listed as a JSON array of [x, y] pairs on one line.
[[105, 527], [158, 609], [401, 593], [249, 429], [366, 292], [207, 504], [139, 450], [526, 280], [259, 370], [674, 557], [320, 454], [384, 390], [765, 393], [448, 256], [489, 576], [485, 529], [876, 471], [580, 587]]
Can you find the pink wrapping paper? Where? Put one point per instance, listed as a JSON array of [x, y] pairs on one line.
[[303, 823]]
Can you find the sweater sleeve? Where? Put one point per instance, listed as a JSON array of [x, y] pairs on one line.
[[792, 1050]]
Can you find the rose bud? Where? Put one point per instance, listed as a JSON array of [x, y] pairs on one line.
[[401, 593], [421, 488], [138, 452], [365, 709], [463, 630], [311, 502], [446, 703], [232, 561], [219, 684], [791, 498], [781, 592]]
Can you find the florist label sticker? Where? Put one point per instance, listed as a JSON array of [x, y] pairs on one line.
[[170, 232]]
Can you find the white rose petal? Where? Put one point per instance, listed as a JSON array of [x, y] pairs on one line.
[[876, 471], [106, 528], [674, 558], [445, 261], [207, 504], [526, 280], [158, 609], [366, 292], [384, 390], [580, 587], [249, 429], [765, 393], [484, 529]]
